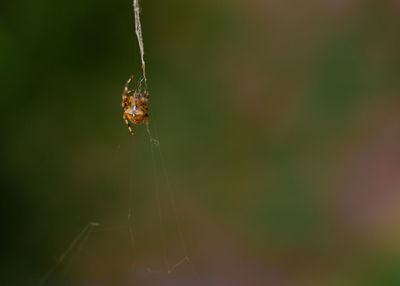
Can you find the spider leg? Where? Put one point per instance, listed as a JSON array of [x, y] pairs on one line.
[[127, 124], [147, 125], [127, 84]]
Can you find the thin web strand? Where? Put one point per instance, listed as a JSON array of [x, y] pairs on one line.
[[154, 143], [171, 195], [172, 200], [79, 248], [159, 210], [82, 236]]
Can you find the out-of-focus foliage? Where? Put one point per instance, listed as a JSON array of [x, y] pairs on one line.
[[279, 122]]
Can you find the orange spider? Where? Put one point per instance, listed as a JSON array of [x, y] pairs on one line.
[[135, 106]]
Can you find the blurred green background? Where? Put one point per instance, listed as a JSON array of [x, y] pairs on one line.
[[279, 124]]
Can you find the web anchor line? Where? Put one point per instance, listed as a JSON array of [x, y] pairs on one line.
[[139, 35], [81, 237]]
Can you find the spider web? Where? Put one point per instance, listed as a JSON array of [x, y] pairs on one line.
[[168, 224], [164, 197], [155, 144]]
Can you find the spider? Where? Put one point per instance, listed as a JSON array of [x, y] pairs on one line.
[[135, 106]]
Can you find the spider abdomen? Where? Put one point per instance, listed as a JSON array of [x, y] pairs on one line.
[[135, 106]]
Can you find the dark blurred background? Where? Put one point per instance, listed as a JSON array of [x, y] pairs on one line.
[[279, 124]]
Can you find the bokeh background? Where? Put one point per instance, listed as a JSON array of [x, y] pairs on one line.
[[279, 124]]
